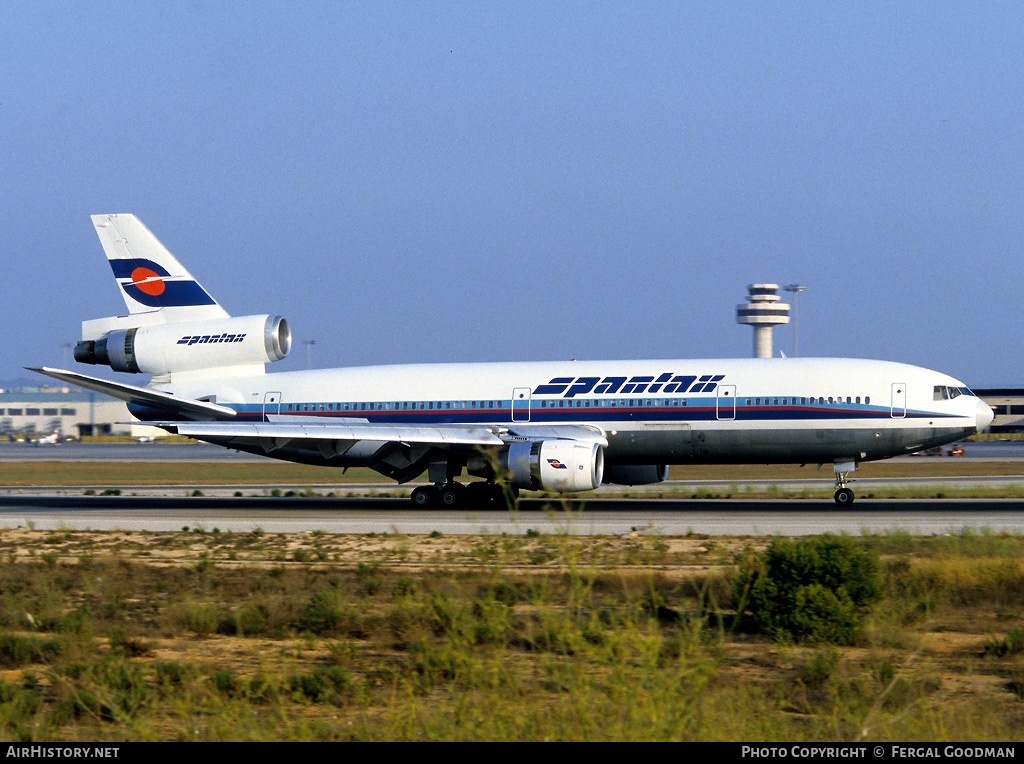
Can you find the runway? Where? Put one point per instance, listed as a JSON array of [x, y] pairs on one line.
[[158, 509], [595, 517]]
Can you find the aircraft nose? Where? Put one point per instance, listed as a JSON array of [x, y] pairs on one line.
[[984, 415]]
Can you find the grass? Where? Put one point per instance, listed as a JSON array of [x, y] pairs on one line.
[[258, 636], [105, 478], [269, 472]]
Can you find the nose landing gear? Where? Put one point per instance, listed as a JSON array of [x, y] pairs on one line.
[[844, 495]]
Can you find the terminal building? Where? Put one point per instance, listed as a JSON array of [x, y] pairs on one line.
[[34, 413], [1008, 406]]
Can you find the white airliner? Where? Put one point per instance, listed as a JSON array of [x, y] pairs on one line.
[[553, 426]]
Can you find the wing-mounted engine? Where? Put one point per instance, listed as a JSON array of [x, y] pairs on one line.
[[554, 465], [184, 346]]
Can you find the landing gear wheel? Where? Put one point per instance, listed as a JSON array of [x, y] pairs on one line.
[[451, 495], [424, 496], [844, 497]]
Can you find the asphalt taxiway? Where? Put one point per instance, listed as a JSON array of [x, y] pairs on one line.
[[594, 517]]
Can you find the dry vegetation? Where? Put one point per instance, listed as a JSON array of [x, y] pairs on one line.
[[253, 636]]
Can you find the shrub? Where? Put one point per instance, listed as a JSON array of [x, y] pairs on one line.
[[16, 650], [1011, 644], [226, 682], [812, 590], [173, 673], [326, 684], [327, 612], [820, 669]]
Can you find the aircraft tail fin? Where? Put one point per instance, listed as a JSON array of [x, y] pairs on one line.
[[150, 278], [173, 326]]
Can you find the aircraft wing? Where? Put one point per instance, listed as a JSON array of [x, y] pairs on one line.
[[143, 396], [527, 431], [274, 433], [400, 452], [293, 428]]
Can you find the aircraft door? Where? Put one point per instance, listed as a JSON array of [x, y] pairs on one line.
[[727, 401], [899, 400], [521, 404], [271, 403]]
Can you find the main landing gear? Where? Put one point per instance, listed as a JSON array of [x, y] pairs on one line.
[[844, 495], [456, 495]]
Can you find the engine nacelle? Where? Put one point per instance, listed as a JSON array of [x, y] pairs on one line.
[[554, 465], [166, 348], [635, 474]]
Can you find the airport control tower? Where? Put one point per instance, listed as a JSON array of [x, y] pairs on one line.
[[762, 311]]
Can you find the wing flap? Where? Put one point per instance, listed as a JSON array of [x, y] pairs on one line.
[[355, 431]]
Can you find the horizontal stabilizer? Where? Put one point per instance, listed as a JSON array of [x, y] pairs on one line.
[[142, 396]]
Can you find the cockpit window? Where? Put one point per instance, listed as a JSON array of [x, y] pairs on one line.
[[944, 393], [966, 391]]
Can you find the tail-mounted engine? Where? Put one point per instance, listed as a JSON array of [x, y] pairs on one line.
[[167, 348], [554, 465]]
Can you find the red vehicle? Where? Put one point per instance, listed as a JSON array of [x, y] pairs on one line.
[[956, 450]]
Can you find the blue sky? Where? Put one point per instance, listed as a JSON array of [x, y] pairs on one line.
[[430, 181]]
